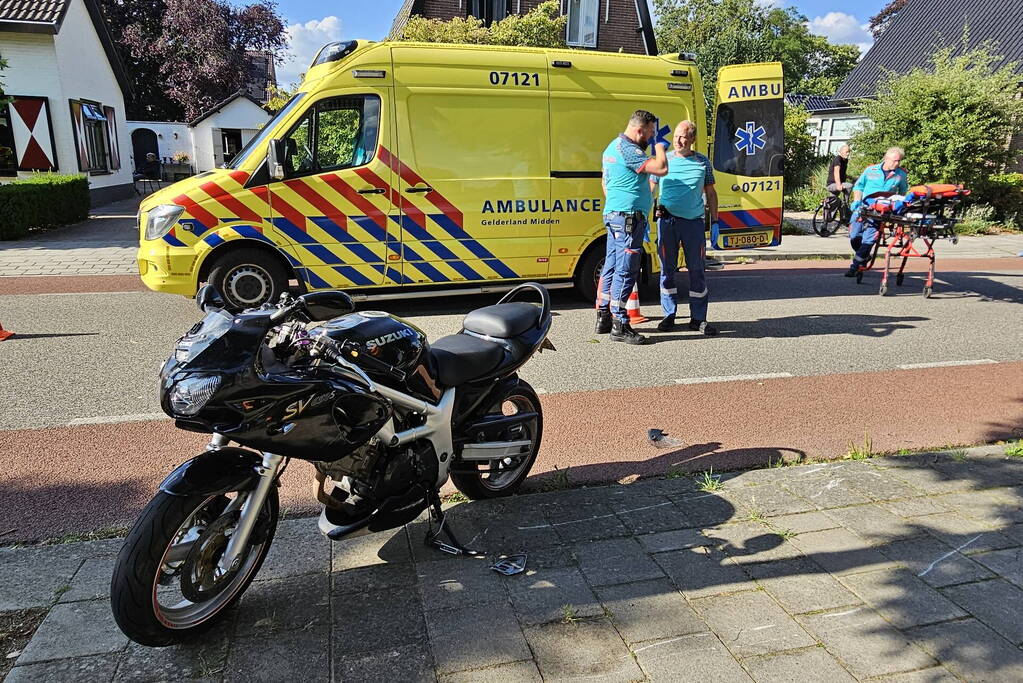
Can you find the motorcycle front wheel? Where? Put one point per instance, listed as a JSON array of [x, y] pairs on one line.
[[496, 478], [167, 586]]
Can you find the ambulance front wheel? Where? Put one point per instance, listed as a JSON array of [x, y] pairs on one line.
[[248, 278]]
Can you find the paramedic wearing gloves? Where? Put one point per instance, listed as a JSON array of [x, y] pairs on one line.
[[626, 168], [681, 220], [883, 177]]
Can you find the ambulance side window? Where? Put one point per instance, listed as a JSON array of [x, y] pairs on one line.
[[336, 133], [748, 138]]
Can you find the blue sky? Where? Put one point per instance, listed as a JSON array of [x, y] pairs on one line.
[[312, 23]]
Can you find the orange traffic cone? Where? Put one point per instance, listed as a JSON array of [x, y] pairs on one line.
[[5, 334], [632, 307]]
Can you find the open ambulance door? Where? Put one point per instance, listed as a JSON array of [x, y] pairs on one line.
[[748, 154]]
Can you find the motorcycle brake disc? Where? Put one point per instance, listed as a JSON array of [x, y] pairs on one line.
[[201, 578]]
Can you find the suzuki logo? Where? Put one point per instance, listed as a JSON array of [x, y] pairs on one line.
[[750, 138]]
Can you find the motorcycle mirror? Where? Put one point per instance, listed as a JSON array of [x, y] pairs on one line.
[[208, 297], [327, 305]]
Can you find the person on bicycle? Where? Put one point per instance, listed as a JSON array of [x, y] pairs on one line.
[[883, 177], [837, 179]]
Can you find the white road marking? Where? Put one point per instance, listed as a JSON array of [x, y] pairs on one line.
[[946, 364], [111, 419], [732, 378], [948, 555]]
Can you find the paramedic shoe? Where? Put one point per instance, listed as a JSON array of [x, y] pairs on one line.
[[667, 324], [603, 322], [703, 326], [623, 332], [852, 271]]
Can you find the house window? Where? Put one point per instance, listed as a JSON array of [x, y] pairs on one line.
[[488, 10], [582, 22]]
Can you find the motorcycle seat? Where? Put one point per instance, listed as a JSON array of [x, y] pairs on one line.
[[459, 358], [502, 321]]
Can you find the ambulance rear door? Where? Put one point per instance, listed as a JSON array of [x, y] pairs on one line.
[[748, 153]]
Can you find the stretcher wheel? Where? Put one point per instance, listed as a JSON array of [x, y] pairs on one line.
[[898, 279], [859, 276], [884, 289], [927, 292]]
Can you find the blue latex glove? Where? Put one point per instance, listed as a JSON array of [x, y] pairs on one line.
[[855, 206]]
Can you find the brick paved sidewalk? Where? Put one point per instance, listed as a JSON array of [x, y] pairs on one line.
[[105, 244], [853, 570]]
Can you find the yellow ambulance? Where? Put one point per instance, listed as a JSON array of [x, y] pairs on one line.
[[404, 169]]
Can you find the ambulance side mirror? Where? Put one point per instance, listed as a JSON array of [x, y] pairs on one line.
[[275, 157]]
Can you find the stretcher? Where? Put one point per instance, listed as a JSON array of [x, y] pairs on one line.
[[926, 213]]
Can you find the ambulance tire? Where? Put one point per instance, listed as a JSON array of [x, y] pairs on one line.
[[588, 271], [248, 278]]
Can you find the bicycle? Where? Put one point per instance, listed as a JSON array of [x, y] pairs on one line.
[[832, 212]]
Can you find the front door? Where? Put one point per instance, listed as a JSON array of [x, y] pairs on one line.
[[748, 153], [335, 200]]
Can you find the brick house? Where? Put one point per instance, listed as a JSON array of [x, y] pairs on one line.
[[605, 25]]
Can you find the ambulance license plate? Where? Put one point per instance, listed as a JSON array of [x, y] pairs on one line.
[[753, 239]]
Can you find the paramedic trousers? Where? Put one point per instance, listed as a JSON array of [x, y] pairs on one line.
[[862, 235], [672, 231], [622, 261]]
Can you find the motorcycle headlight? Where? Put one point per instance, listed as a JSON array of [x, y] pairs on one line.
[[160, 220], [189, 395]]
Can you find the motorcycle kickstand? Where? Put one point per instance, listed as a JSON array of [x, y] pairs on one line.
[[432, 541]]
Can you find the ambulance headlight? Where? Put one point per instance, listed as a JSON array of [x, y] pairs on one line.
[[160, 220]]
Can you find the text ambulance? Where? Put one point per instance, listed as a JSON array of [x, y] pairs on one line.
[[400, 169]]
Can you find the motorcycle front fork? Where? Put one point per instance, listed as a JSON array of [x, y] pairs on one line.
[[254, 500]]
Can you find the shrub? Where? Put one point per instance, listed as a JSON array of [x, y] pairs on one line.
[[42, 201], [799, 154], [1004, 194], [808, 195], [953, 118]]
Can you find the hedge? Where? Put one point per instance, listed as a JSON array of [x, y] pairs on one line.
[[42, 201]]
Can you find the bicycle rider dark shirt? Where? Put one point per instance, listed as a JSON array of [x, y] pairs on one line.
[[841, 163]]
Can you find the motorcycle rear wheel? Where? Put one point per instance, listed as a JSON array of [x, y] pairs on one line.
[[482, 485], [160, 546]]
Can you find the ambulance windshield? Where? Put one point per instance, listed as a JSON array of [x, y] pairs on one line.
[[749, 138]]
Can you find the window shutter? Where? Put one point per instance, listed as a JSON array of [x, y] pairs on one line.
[[33, 133], [115, 156], [78, 127]]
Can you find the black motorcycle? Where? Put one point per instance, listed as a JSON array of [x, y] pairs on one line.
[[384, 417]]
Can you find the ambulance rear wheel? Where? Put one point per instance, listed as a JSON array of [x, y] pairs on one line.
[[248, 278], [587, 274]]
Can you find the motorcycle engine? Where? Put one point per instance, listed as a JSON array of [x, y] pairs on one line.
[[396, 471]]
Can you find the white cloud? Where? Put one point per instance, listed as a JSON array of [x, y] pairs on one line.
[[839, 27], [304, 41]]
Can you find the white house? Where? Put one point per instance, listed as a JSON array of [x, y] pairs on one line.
[[68, 87], [209, 141]]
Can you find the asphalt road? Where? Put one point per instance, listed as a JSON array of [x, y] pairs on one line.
[[93, 356], [807, 363]]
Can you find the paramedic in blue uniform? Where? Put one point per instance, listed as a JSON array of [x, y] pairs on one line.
[[680, 213], [626, 168], [883, 177]]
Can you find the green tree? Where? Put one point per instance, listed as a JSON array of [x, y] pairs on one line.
[[3, 98], [799, 148], [722, 32], [952, 117], [543, 26]]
